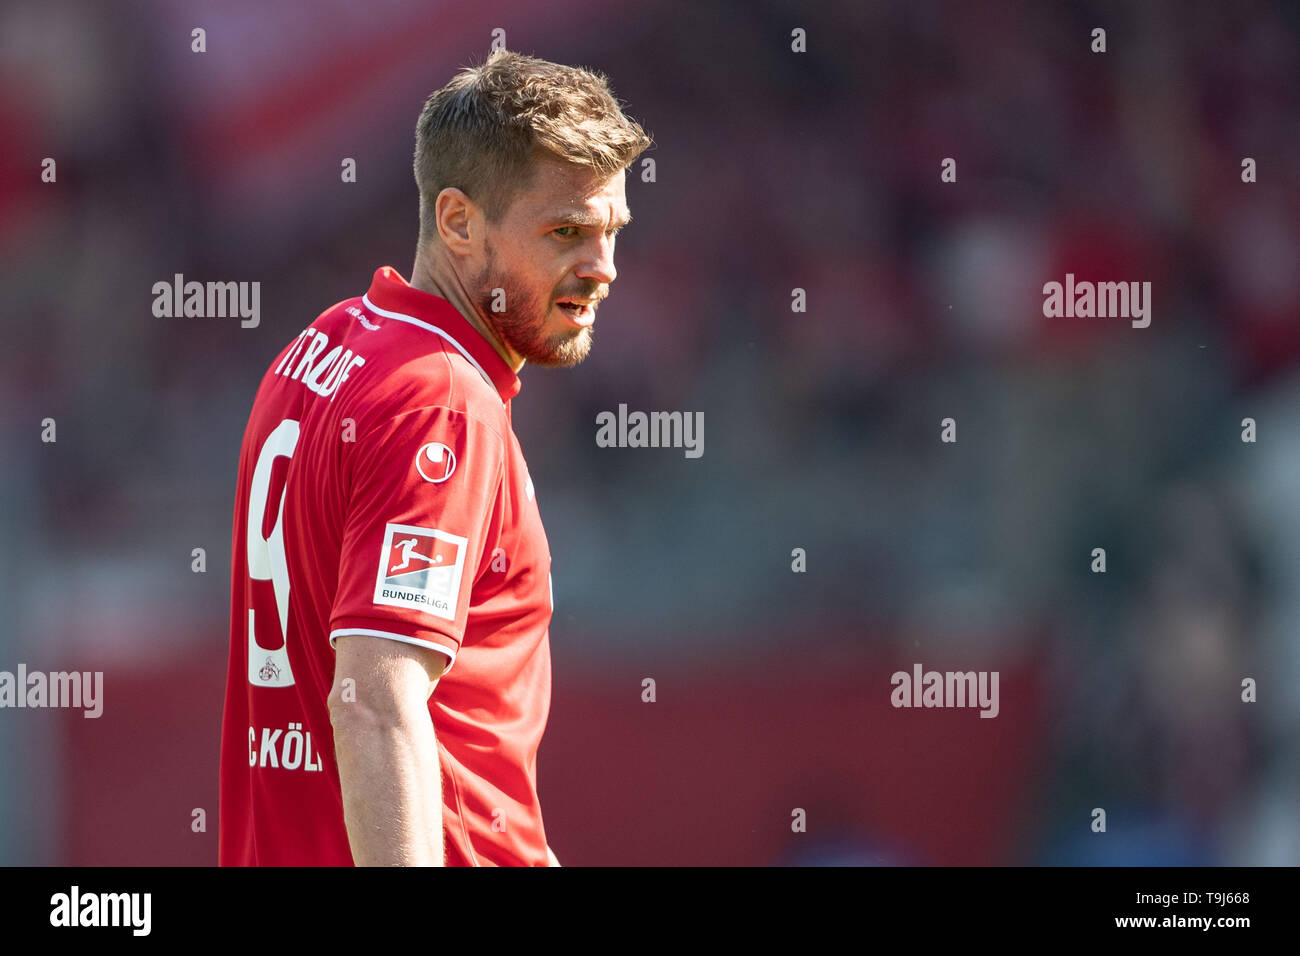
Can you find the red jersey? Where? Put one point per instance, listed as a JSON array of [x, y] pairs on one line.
[[382, 492]]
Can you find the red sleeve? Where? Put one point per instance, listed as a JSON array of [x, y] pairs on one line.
[[424, 485]]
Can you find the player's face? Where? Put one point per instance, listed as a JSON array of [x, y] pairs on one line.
[[556, 243]]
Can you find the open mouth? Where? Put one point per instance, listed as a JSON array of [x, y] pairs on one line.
[[580, 313]]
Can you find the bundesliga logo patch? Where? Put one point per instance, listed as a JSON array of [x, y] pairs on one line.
[[421, 568]]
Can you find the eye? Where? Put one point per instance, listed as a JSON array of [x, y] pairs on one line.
[[562, 228]]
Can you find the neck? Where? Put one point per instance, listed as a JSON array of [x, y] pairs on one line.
[[432, 276]]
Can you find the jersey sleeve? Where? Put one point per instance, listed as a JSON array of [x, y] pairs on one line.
[[423, 490]]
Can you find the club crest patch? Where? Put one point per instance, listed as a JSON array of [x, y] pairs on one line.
[[421, 569]]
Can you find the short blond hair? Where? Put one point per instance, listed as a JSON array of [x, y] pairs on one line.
[[483, 131]]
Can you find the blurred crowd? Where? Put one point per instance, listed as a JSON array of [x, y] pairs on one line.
[[771, 171]]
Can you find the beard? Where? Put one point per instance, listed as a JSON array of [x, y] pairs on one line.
[[522, 326]]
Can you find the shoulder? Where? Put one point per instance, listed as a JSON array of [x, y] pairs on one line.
[[403, 379]]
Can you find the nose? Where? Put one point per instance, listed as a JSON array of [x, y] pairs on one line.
[[599, 266]]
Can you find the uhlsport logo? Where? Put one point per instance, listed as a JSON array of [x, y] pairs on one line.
[[435, 462], [421, 568]]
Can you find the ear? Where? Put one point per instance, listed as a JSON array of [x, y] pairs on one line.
[[458, 221]]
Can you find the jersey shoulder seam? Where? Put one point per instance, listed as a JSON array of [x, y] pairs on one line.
[[387, 419]]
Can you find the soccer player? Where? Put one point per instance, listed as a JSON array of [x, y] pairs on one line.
[[390, 668]]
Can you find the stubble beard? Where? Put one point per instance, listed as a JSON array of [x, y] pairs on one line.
[[523, 329]]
